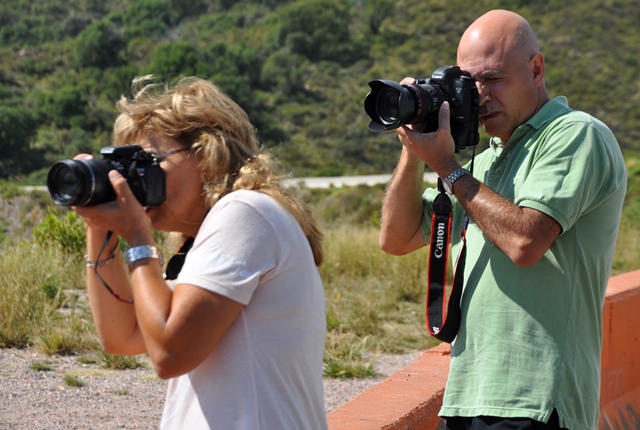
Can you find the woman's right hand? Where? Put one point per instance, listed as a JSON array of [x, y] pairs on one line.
[[124, 215], [83, 211]]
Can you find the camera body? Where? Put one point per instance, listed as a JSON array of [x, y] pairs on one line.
[[86, 182], [390, 104]]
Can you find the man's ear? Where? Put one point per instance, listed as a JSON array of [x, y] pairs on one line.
[[536, 65]]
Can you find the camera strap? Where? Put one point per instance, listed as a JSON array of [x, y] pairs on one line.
[[174, 266], [442, 316], [107, 238]]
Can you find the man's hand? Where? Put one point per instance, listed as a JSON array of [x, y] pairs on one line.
[[437, 148]]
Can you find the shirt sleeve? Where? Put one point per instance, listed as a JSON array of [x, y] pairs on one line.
[[235, 247], [568, 172]]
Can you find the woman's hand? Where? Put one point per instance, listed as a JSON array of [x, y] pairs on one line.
[[124, 215]]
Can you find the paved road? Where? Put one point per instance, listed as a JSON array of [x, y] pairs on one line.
[[339, 181], [326, 181]]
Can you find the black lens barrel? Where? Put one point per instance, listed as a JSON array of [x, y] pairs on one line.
[[390, 104], [80, 182]]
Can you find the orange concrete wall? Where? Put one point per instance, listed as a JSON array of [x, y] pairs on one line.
[[408, 399], [411, 398], [620, 389]]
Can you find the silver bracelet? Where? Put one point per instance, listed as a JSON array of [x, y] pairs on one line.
[[100, 263], [131, 255]]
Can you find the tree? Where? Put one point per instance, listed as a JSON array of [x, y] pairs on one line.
[[175, 59], [99, 45], [61, 106], [17, 129], [317, 29]]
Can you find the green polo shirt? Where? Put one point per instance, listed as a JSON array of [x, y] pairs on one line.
[[530, 338]]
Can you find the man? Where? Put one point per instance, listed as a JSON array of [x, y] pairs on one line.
[[544, 203]]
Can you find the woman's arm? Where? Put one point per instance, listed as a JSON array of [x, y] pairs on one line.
[[177, 329]]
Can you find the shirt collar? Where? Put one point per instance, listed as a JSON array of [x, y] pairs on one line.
[[551, 110]]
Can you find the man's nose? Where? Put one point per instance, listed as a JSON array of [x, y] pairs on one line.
[[484, 92]]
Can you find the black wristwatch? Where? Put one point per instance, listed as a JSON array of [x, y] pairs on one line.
[[448, 182]]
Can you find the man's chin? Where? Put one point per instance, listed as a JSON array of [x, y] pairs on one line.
[[489, 118], [491, 126]]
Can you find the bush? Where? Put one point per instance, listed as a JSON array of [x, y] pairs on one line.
[[99, 45], [121, 362], [65, 232], [33, 278]]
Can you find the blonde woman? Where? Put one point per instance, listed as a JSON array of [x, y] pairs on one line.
[[239, 333]]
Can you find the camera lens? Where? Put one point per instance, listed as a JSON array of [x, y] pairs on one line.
[[388, 105], [65, 182], [80, 182]]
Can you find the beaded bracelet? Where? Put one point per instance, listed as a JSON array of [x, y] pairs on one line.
[[100, 263]]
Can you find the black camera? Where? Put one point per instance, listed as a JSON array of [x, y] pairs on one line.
[[86, 182], [391, 105]]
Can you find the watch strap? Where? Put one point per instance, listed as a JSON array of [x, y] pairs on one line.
[[453, 177]]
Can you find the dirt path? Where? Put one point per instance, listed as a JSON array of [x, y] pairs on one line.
[[113, 399]]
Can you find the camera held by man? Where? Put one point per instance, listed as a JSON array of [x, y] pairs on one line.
[[390, 104]]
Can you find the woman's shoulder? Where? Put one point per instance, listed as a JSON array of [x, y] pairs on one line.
[[259, 202], [249, 197]]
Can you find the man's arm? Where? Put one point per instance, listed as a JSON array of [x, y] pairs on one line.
[[523, 234], [400, 231]]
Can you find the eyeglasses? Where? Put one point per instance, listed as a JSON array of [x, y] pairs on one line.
[[162, 155]]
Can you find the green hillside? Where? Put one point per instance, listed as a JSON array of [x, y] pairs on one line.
[[299, 68]]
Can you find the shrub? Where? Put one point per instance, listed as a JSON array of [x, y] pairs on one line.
[[70, 335], [41, 366], [32, 280], [99, 45], [73, 381], [63, 231], [121, 362]]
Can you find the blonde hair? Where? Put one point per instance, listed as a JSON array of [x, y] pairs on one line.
[[199, 115]]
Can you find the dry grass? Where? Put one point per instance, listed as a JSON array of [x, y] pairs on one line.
[[375, 301]]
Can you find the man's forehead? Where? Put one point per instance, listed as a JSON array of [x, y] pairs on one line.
[[480, 67], [484, 63]]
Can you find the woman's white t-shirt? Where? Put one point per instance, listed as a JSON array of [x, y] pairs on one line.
[[266, 372]]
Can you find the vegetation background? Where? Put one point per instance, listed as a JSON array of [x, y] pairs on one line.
[[300, 69]]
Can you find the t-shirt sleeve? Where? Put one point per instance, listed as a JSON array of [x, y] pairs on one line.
[[568, 173], [235, 247]]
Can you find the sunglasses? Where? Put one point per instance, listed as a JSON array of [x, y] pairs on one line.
[[164, 155]]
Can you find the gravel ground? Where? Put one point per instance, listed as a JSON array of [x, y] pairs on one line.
[[114, 399]]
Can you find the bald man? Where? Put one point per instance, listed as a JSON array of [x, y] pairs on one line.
[[544, 203]]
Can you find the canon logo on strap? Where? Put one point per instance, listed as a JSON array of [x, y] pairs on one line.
[[440, 230]]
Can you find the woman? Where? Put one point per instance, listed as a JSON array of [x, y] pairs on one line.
[[240, 332]]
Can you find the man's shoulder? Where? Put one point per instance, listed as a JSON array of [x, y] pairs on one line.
[[561, 114]]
